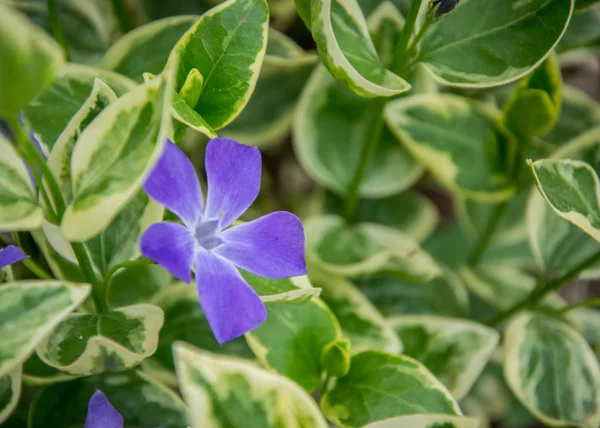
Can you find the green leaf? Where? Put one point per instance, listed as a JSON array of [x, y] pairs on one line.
[[185, 321], [146, 48], [579, 114], [503, 286], [10, 392], [336, 358], [346, 49], [223, 391], [361, 322], [459, 141], [29, 58], [136, 284], [331, 127], [85, 344], [38, 373], [443, 295], [114, 155], [485, 43], [86, 24], [226, 45], [571, 188], [553, 371], [455, 350], [583, 30], [19, 209], [141, 401], [51, 111], [29, 311], [268, 116], [365, 248], [426, 421], [535, 104], [588, 320], [381, 386]]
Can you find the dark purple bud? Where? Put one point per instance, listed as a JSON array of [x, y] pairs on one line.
[[442, 7]]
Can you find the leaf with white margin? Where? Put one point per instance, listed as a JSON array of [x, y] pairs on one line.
[[114, 154], [588, 321], [365, 248], [426, 421], [85, 344], [223, 390], [226, 45], [503, 286], [381, 386], [300, 330], [571, 187], [38, 373], [489, 43], [19, 209], [29, 311], [146, 49], [454, 349], [29, 59], [346, 49], [51, 111], [269, 114], [361, 322], [10, 392], [553, 371], [459, 141]]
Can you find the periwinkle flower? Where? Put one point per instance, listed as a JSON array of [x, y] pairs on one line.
[[271, 246], [443, 7], [102, 414], [10, 255]]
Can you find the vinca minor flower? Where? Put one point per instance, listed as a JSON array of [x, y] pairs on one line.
[[10, 255], [271, 246], [443, 7], [102, 414]]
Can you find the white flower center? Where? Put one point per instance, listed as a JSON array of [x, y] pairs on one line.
[[208, 234]]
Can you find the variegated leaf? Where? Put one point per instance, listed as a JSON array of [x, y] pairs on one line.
[[211, 385], [365, 248], [427, 421], [459, 141], [10, 392], [226, 45], [381, 386], [114, 154], [19, 209], [85, 344], [29, 311], [361, 322], [29, 59], [455, 350], [553, 371], [346, 49], [51, 111]]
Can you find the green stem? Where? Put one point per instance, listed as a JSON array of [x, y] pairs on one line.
[[400, 52], [56, 27], [410, 53], [485, 238], [122, 16], [36, 269], [373, 136], [131, 263], [88, 272], [585, 304], [539, 293]]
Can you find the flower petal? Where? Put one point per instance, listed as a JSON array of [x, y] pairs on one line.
[[231, 306], [171, 246], [271, 246], [10, 255], [102, 414], [233, 173], [174, 184]]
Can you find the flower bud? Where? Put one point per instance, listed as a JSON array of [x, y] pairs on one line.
[[442, 7]]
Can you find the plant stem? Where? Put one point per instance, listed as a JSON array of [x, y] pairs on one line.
[[402, 45], [88, 272], [131, 263], [485, 238], [30, 264], [56, 27], [122, 16], [584, 304], [540, 292], [370, 146]]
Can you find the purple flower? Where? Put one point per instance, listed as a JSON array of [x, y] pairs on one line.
[[102, 414], [271, 246], [443, 6], [10, 255]]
